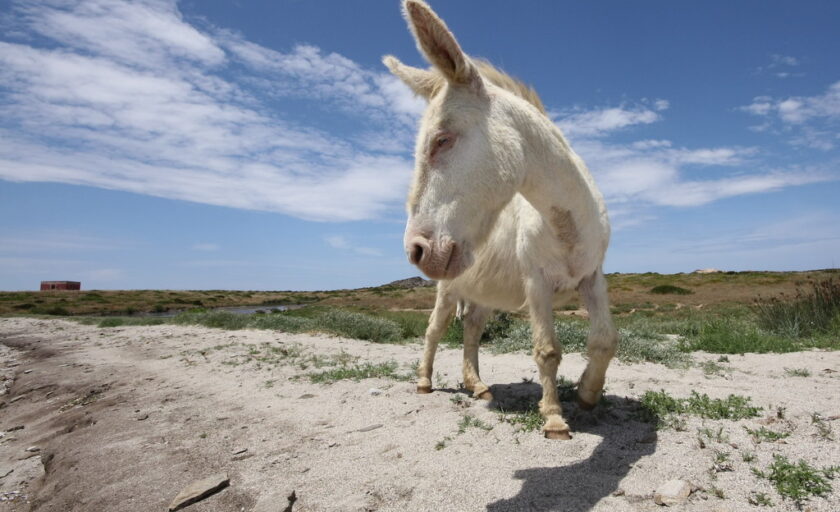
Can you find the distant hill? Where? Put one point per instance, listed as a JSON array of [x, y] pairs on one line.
[[411, 282]]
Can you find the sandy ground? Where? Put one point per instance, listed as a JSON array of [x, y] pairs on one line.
[[124, 418]]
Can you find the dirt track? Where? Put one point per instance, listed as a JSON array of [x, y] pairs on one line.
[[126, 417]]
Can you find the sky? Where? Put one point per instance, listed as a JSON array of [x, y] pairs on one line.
[[262, 145]]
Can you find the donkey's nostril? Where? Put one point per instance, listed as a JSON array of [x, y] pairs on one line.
[[416, 254]]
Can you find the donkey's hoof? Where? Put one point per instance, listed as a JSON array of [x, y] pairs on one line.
[[563, 435], [485, 395], [424, 390]]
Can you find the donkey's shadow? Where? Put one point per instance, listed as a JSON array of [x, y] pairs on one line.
[[578, 487]]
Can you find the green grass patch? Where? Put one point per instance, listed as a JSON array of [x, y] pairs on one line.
[[387, 370], [734, 335], [800, 481], [764, 434], [123, 321], [332, 321], [472, 422], [808, 313], [661, 405], [526, 420]]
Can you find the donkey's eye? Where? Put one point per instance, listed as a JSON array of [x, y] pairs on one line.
[[442, 142]]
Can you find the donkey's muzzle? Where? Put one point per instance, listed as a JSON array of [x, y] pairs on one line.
[[438, 259], [418, 249]]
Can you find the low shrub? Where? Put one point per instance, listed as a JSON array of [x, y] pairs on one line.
[[669, 289], [807, 313]]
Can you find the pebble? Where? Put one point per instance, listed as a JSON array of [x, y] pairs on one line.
[[375, 391], [672, 492], [199, 490], [370, 427], [142, 416], [33, 449]]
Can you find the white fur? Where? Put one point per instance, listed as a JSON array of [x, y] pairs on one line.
[[507, 216]]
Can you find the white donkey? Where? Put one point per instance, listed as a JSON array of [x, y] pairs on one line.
[[502, 213]]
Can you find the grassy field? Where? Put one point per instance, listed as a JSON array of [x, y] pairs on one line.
[[660, 317]]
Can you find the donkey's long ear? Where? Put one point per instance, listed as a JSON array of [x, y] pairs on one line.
[[438, 44], [423, 82]]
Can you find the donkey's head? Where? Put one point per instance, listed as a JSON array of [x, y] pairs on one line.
[[466, 154]]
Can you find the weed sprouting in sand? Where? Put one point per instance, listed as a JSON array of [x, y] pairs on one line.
[[797, 372], [714, 369], [468, 421], [759, 499], [388, 370], [798, 481], [823, 427], [659, 404], [763, 434]]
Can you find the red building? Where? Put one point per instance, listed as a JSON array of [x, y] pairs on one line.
[[60, 285]]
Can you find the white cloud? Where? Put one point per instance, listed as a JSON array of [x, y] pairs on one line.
[[341, 242], [653, 173], [599, 122], [137, 99], [783, 60], [799, 109], [814, 118]]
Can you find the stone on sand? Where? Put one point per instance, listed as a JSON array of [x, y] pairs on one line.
[[199, 490], [672, 492]]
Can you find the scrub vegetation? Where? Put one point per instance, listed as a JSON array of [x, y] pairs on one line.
[[724, 312]]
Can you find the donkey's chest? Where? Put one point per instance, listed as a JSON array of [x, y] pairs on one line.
[[515, 253]]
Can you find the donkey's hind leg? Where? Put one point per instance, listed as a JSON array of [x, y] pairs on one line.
[[438, 323], [602, 341], [475, 318]]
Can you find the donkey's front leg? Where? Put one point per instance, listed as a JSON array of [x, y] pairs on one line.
[[602, 342], [438, 323], [547, 353], [475, 318]]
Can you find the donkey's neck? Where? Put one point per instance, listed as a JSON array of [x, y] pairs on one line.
[[556, 177]]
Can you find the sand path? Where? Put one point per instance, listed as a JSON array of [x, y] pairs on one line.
[[124, 418]]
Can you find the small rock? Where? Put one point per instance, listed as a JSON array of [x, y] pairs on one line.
[[199, 490], [306, 395], [15, 399], [27, 371], [370, 427], [332, 443], [16, 427], [619, 492], [33, 449], [672, 492], [375, 391], [239, 451], [142, 416]]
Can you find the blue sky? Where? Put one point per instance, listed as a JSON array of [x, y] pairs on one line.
[[262, 145]]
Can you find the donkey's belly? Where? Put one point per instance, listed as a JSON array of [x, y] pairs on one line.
[[502, 292]]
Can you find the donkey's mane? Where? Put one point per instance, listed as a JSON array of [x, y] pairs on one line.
[[498, 78]]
